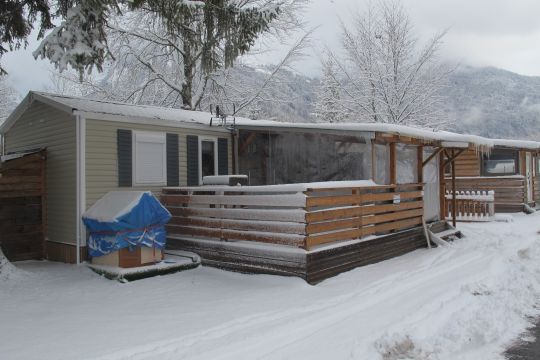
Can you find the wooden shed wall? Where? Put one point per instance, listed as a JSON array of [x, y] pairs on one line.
[[22, 217], [43, 126], [468, 164], [102, 158]]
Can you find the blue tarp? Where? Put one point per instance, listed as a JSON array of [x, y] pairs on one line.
[[139, 221]]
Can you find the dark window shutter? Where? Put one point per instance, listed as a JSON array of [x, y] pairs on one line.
[[223, 156], [173, 166], [125, 155], [192, 142]]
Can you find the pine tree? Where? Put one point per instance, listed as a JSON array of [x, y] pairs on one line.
[[214, 31], [189, 67], [328, 107]]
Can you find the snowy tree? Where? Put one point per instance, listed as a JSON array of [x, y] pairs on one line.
[[328, 107], [387, 76], [154, 66], [216, 30], [9, 99], [201, 37]]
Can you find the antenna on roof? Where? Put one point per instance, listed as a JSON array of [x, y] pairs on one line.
[[222, 116]]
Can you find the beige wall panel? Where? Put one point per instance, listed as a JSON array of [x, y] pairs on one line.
[[102, 160], [44, 126]]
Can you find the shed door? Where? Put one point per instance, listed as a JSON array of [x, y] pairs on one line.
[[431, 187]]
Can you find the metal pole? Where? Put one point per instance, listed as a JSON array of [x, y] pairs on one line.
[[453, 190]]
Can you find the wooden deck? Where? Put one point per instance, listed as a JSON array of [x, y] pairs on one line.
[[310, 232], [509, 190]]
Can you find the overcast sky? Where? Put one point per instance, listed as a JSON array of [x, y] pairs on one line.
[[499, 33]]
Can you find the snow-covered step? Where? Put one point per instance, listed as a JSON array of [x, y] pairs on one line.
[[448, 233]]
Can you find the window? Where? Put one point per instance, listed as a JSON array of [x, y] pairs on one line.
[[406, 164], [149, 160], [207, 157], [500, 162]]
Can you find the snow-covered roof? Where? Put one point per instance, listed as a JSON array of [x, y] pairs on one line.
[[114, 111], [117, 111], [521, 144], [401, 130]]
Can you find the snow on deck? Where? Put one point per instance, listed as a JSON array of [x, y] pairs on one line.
[[299, 187], [465, 301]]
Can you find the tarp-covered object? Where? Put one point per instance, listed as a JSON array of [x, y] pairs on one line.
[[125, 219]]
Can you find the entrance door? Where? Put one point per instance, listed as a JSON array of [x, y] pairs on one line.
[[208, 159], [431, 187], [529, 175]]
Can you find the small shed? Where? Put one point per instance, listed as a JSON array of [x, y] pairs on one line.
[[126, 229]]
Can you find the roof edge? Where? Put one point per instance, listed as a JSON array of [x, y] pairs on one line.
[[28, 100]]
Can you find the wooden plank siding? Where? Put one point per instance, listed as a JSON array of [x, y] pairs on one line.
[[43, 126], [102, 161], [468, 164], [312, 266], [510, 195], [22, 207]]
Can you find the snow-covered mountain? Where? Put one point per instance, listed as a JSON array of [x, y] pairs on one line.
[[480, 100], [494, 102]]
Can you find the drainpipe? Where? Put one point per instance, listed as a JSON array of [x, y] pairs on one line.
[[80, 129]]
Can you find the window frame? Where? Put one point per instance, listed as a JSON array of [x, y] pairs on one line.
[[160, 134], [517, 167], [213, 139]]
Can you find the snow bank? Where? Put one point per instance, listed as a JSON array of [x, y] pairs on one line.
[[8, 272]]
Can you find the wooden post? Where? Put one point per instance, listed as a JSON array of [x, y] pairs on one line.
[[234, 151], [453, 190], [419, 167], [373, 161], [534, 174], [393, 161]]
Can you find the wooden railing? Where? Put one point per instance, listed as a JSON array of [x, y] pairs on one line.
[[295, 215], [471, 205], [342, 214], [509, 190]]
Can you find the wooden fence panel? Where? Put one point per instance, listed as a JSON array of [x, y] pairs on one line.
[[23, 207], [473, 206], [510, 193], [289, 215]]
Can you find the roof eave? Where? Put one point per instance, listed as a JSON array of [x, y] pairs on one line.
[[149, 121], [25, 104]]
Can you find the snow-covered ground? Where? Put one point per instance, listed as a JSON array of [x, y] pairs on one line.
[[466, 301]]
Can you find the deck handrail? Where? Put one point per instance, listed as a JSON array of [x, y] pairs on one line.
[[472, 205]]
